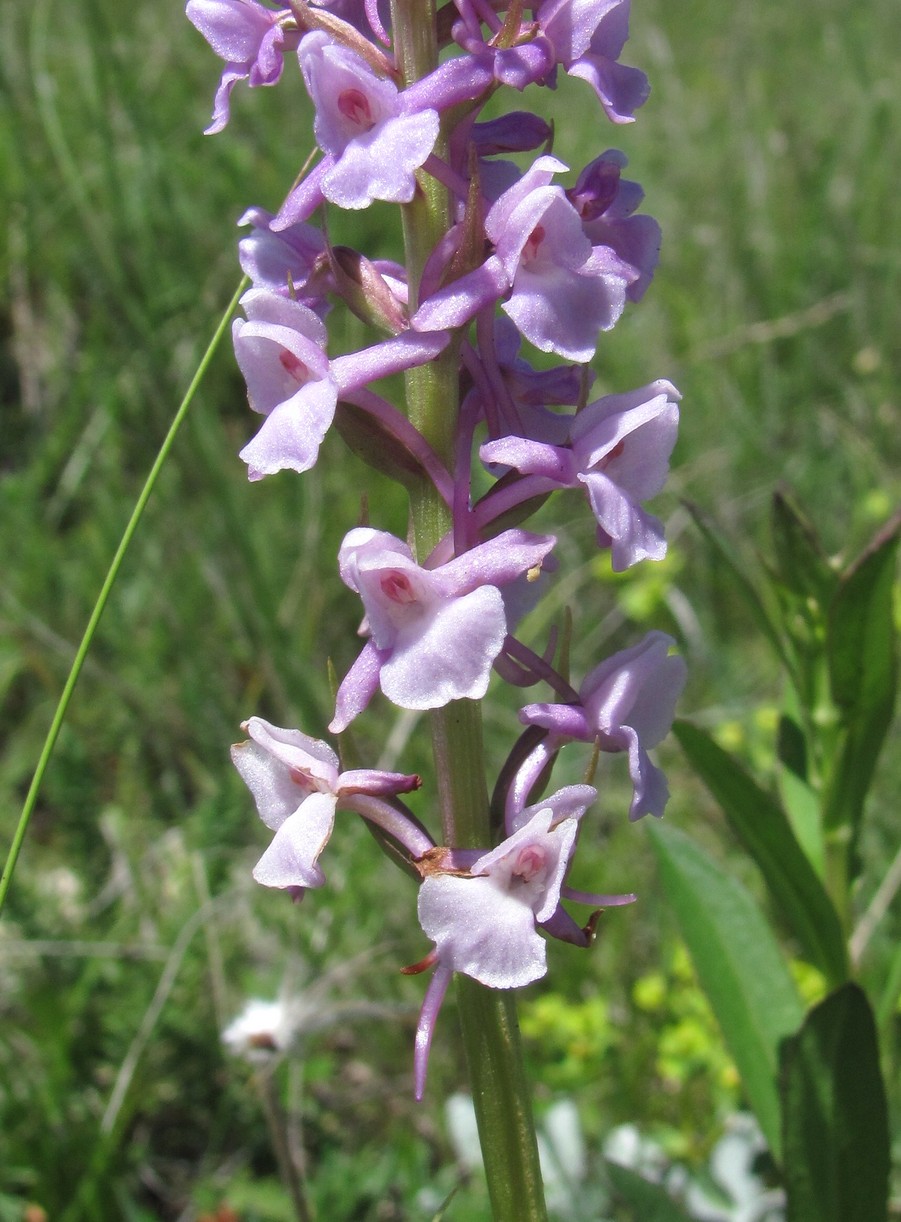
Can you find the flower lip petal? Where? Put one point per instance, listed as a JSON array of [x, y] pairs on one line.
[[481, 931], [290, 436], [382, 164], [446, 652], [292, 858]]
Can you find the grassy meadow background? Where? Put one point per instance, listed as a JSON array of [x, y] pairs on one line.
[[769, 151]]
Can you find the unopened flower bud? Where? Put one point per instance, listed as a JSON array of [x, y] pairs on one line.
[[366, 291]]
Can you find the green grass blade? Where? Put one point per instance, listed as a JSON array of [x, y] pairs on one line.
[[103, 597], [891, 992]]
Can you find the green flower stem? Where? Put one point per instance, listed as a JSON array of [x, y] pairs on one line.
[[432, 395], [462, 793], [103, 596], [488, 1017], [503, 1102]]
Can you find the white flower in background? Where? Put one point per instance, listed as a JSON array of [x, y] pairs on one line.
[[265, 1029], [262, 1029]]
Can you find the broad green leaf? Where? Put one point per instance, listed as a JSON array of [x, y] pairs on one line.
[[862, 651], [759, 822], [739, 964], [650, 1202], [835, 1122]]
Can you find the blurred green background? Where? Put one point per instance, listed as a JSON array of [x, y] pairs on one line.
[[769, 151]]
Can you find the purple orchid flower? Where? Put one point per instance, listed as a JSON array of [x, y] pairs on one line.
[[374, 138], [588, 37], [435, 633], [627, 703], [252, 40], [485, 924], [619, 450], [290, 380], [560, 289], [485, 921], [292, 263], [606, 202], [564, 290], [280, 349], [297, 786]]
